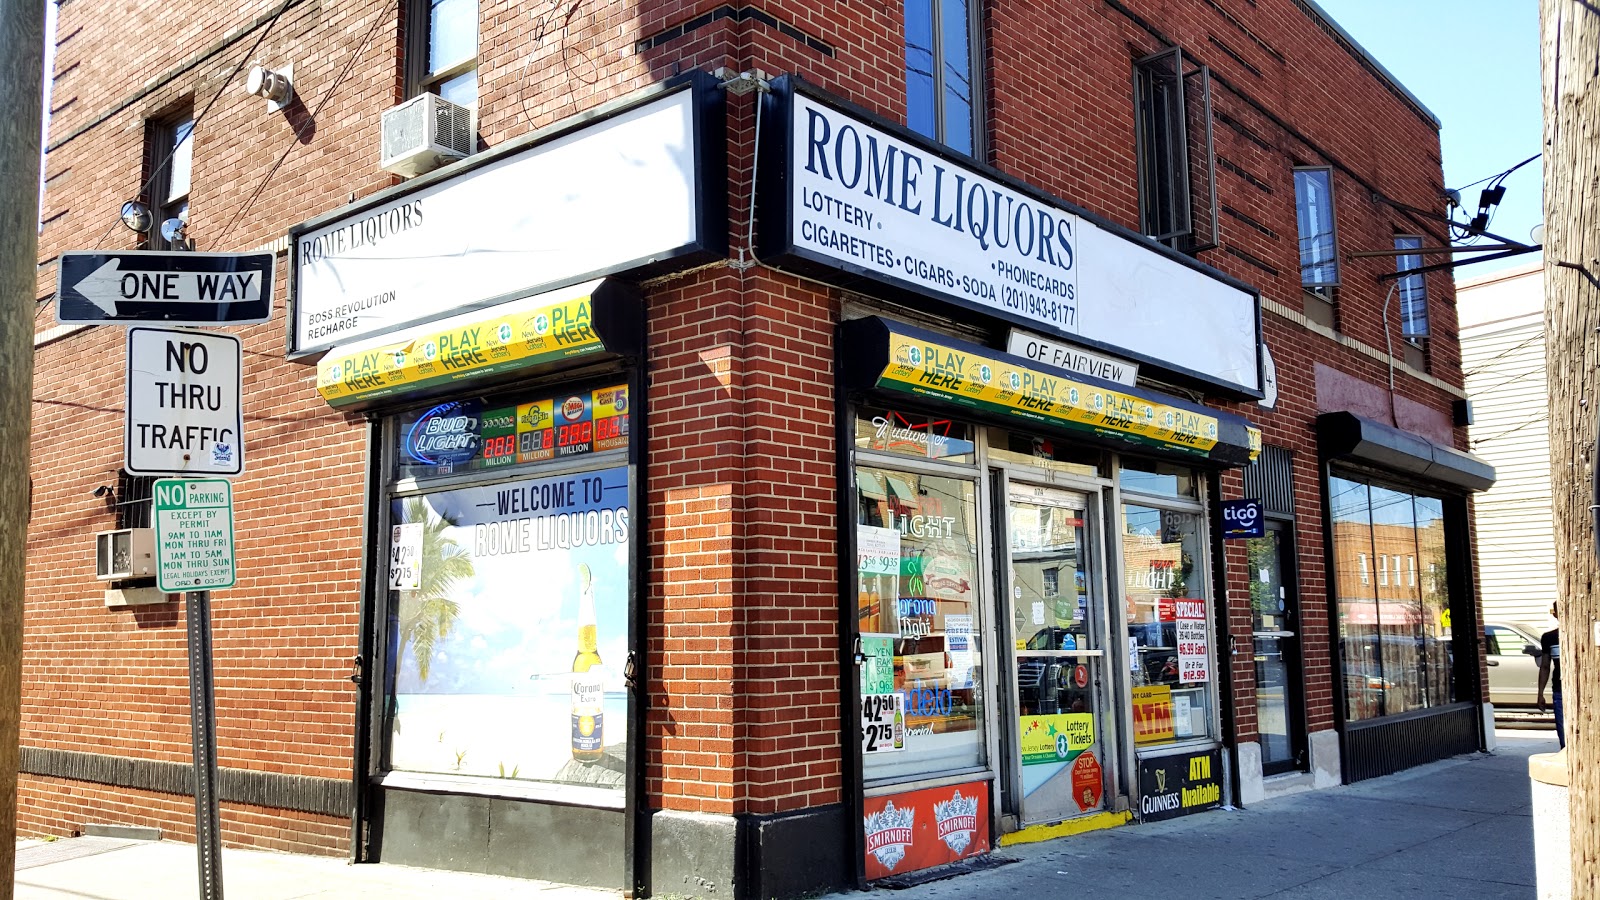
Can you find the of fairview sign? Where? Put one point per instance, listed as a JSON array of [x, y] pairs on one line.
[[167, 288], [194, 534]]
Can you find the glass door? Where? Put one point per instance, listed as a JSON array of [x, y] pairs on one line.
[[1277, 641], [1058, 656]]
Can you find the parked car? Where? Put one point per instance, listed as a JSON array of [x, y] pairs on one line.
[[1513, 664]]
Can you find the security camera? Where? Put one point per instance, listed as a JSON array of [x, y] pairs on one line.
[[102, 492]]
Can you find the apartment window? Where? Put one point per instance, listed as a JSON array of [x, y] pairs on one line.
[[1177, 165], [170, 151], [1362, 558], [443, 50], [943, 72], [1313, 198], [1383, 570], [1413, 296], [131, 499]]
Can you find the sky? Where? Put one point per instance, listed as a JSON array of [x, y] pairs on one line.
[[1475, 65]]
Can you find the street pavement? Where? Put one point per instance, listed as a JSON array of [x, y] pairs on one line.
[[1457, 828]]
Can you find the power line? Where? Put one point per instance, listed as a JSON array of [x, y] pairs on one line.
[[228, 82]]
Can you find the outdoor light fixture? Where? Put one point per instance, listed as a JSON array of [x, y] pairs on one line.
[[136, 215], [272, 86]]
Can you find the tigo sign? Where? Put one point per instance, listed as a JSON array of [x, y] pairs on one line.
[[1243, 519]]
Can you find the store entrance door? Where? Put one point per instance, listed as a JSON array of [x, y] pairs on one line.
[[1276, 633], [1052, 574]]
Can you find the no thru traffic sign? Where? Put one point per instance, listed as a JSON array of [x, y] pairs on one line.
[[194, 534], [184, 416]]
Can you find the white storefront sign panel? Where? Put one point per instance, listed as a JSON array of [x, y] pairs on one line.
[[608, 196], [183, 411], [866, 201]]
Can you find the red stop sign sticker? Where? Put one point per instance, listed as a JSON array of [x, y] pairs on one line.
[[1087, 781], [1080, 676]]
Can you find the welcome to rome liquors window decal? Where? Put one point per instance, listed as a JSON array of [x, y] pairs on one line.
[[507, 645]]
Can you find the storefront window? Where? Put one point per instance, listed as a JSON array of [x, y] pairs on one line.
[[905, 433], [1158, 479], [1394, 636], [508, 630], [477, 435], [1043, 452], [1169, 648], [919, 619]]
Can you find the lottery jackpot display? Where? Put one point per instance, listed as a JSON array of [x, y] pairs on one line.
[[475, 435]]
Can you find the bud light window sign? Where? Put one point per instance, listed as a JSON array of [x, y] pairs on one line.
[[507, 657], [1243, 519], [445, 436]]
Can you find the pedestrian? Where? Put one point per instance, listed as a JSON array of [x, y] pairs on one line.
[[1550, 672]]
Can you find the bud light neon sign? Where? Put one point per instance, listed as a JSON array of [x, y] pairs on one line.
[[446, 435]]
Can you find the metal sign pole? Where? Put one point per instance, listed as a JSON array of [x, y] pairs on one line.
[[203, 731]]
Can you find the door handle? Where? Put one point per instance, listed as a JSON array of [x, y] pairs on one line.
[[1494, 662]]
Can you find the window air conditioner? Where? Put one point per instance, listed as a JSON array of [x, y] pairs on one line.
[[127, 553], [424, 133]]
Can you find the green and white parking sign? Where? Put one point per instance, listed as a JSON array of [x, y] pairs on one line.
[[194, 534]]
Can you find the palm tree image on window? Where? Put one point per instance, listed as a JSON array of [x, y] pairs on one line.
[[426, 614], [506, 661]]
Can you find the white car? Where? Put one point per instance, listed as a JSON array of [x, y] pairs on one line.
[[1513, 665]]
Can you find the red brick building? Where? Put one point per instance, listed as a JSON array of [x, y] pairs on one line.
[[855, 391]]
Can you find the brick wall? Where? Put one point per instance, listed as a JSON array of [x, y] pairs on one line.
[[743, 671]]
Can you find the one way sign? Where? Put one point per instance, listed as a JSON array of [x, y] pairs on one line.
[[170, 288]]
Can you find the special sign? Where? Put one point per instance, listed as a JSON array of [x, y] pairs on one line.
[[183, 411]]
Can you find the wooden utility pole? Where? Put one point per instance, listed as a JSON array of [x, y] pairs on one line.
[[21, 74], [1570, 40]]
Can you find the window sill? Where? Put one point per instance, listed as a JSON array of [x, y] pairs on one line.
[[509, 789]]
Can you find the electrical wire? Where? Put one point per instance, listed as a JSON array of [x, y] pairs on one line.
[[228, 82], [310, 119], [1470, 234]]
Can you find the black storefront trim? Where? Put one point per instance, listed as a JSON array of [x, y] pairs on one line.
[[304, 793], [1386, 745], [1344, 435], [864, 354]]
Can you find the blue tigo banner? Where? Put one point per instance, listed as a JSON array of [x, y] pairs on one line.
[[1243, 519]]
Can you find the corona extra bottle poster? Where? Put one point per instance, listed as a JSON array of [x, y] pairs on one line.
[[507, 661]]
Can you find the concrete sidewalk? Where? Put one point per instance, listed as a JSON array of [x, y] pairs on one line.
[[1459, 828], [100, 868], [1452, 829]]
